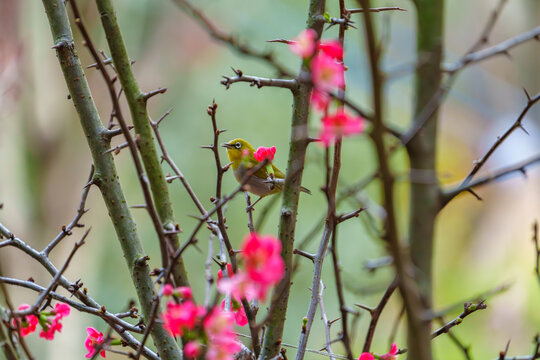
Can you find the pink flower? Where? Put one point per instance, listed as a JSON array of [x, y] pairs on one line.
[[238, 311], [340, 124], [326, 73], [229, 272], [391, 355], [183, 292], [52, 326], [263, 262], [28, 323], [180, 317], [304, 44], [320, 100], [193, 349], [50, 329], [239, 286], [167, 290], [366, 356], [94, 338], [61, 310], [222, 341], [262, 258], [332, 48], [263, 153]]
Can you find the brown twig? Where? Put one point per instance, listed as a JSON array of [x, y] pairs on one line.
[[380, 9], [249, 212], [376, 313], [468, 308], [465, 184]]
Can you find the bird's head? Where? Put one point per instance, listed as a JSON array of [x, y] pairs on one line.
[[237, 148]]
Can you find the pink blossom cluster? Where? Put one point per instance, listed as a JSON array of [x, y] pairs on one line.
[[213, 328], [264, 153], [49, 321], [263, 268], [391, 355], [325, 60]]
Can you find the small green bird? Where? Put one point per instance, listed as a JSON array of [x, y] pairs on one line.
[[262, 183]]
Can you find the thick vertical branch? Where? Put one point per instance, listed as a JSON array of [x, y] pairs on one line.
[[139, 113], [425, 197], [295, 168], [416, 314], [105, 176]]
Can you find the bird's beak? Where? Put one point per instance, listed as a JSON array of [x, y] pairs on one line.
[[227, 145]]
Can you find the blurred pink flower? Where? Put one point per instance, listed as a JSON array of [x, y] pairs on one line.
[[238, 311], [193, 349], [183, 292], [332, 48], [222, 341], [61, 310], [263, 153], [28, 323], [180, 317], [320, 100], [167, 290], [327, 73], [262, 259], [229, 272], [339, 124], [366, 356], [94, 338], [304, 44], [391, 355]]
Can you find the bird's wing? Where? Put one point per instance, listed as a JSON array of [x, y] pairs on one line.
[[278, 172]]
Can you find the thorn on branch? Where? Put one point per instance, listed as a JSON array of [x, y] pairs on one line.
[[155, 92], [106, 61], [305, 254]]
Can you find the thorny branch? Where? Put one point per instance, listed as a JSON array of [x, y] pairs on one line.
[[467, 183], [259, 82]]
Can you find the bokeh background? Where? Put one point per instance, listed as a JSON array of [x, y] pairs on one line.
[[480, 245]]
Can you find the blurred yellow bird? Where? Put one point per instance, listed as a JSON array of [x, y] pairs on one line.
[[240, 154]]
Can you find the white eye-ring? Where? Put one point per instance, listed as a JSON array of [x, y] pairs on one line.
[[238, 145]]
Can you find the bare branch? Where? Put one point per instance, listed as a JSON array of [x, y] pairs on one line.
[[468, 309], [519, 167], [259, 82], [380, 9], [479, 163], [499, 49]]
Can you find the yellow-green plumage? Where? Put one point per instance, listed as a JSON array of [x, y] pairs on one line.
[[240, 154]]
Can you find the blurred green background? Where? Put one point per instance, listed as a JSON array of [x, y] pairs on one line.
[[479, 246]]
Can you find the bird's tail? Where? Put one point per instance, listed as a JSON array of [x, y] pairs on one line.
[[306, 190]]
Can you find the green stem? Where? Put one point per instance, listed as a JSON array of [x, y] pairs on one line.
[[137, 105], [425, 195], [295, 167], [105, 176]]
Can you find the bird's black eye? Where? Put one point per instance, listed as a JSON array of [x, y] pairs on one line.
[[238, 145]]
